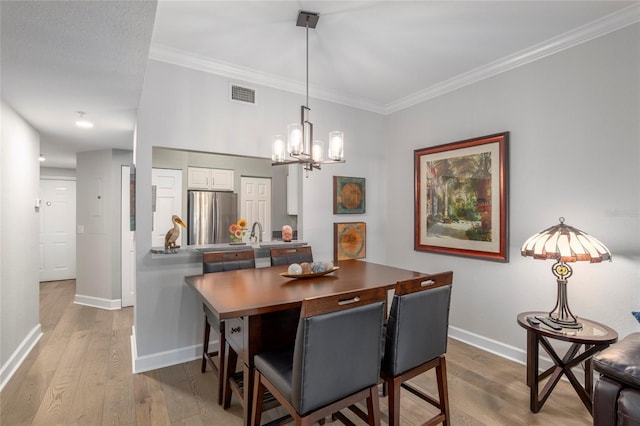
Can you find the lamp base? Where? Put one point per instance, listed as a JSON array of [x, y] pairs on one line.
[[573, 324], [561, 314]]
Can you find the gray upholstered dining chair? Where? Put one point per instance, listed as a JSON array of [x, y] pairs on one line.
[[219, 261], [289, 255], [335, 361], [416, 341]]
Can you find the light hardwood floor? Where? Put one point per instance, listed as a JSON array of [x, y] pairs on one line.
[[79, 373]]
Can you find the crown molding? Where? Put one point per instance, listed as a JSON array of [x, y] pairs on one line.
[[610, 23], [190, 60], [613, 22]]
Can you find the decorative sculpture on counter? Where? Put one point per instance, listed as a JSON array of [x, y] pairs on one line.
[[174, 233], [287, 233]]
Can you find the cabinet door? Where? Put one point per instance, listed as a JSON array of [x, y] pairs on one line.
[[222, 180], [199, 178]]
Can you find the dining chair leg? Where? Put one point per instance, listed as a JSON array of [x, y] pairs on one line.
[[205, 344], [443, 391], [258, 398], [373, 406], [393, 388], [230, 369]]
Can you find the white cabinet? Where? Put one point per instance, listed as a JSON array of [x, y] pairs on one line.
[[210, 179], [222, 180]]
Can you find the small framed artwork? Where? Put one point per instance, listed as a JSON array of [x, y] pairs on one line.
[[348, 195], [460, 198], [349, 240]]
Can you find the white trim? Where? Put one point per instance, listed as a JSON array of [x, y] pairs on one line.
[[134, 349], [166, 358], [190, 353], [497, 348], [17, 358], [72, 178], [182, 58], [600, 27], [98, 302]]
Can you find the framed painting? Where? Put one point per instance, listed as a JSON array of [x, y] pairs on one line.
[[348, 195], [461, 198], [349, 240]]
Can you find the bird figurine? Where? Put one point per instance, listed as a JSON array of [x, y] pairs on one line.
[[174, 233]]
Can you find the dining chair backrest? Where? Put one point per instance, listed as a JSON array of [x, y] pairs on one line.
[[338, 347], [219, 261], [289, 255], [418, 322]]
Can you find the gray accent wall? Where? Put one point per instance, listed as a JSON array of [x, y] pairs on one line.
[[574, 119], [19, 241]]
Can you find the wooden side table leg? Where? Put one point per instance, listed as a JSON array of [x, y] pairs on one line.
[[532, 370], [588, 375]]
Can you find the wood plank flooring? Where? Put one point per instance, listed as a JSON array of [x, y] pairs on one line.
[[79, 373]]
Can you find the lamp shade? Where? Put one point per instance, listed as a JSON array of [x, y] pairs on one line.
[[565, 243]]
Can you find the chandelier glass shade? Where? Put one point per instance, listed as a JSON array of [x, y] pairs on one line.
[[300, 147]]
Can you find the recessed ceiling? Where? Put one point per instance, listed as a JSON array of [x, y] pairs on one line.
[[59, 57]]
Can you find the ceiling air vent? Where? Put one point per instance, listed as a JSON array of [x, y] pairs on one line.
[[243, 94]]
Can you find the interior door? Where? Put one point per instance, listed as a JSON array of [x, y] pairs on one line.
[[128, 243], [57, 230], [255, 203], [167, 185]]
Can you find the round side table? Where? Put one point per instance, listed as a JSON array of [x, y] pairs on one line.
[[593, 336]]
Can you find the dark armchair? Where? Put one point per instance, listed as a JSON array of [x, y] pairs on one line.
[[616, 400]]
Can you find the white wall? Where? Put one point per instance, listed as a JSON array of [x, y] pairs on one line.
[[19, 225], [98, 215], [574, 119], [189, 109]]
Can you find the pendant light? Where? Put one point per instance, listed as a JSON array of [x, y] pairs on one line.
[[300, 146]]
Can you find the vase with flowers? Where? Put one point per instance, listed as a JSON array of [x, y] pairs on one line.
[[237, 231]]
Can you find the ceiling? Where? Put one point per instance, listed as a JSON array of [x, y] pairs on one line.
[[61, 57]]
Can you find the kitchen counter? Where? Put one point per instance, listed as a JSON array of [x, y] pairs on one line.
[[255, 246], [193, 253]]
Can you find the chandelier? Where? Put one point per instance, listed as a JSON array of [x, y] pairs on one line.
[[301, 147]]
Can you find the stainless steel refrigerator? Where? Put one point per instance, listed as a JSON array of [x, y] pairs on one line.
[[209, 216]]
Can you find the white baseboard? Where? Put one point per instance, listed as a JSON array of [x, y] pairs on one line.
[[166, 358], [97, 302], [186, 354], [497, 348], [19, 355]]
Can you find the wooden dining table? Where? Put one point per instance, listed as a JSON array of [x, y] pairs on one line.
[[261, 307]]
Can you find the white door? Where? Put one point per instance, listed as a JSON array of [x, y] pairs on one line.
[[168, 201], [128, 243], [255, 203], [57, 230]]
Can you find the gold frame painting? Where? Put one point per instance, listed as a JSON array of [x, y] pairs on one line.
[[349, 240]]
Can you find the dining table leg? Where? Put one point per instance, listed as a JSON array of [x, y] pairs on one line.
[[247, 392]]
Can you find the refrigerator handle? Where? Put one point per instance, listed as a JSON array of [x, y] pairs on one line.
[[217, 219]]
